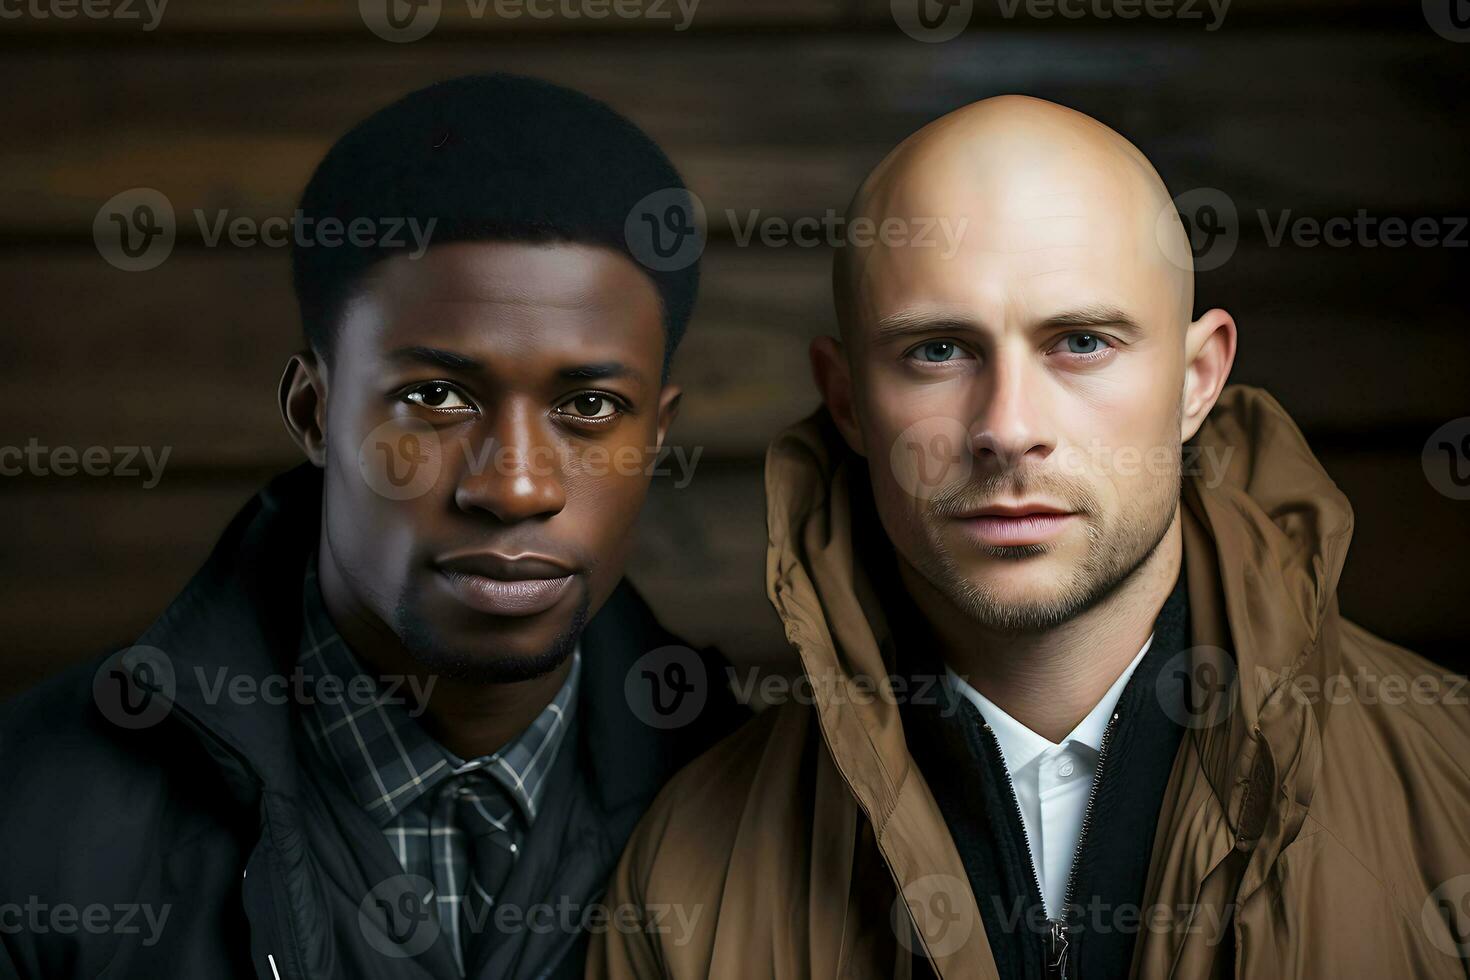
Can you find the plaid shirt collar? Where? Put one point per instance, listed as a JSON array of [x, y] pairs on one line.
[[385, 757]]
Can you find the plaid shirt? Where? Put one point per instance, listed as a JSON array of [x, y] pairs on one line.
[[408, 782]]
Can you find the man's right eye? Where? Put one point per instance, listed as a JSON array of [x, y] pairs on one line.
[[938, 351], [437, 395]]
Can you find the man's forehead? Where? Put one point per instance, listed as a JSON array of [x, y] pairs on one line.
[[512, 273], [1091, 222], [500, 321], [1025, 253]]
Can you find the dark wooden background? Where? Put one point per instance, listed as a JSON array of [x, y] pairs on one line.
[[1320, 108]]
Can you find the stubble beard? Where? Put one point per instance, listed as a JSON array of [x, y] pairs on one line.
[[1115, 550]]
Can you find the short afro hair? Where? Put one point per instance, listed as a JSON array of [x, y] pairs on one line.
[[490, 157]]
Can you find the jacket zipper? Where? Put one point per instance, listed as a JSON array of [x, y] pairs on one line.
[[1057, 942]]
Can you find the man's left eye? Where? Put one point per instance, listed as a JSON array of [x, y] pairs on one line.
[[589, 406], [1085, 343]]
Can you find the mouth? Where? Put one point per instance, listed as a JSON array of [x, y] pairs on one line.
[[504, 585], [1016, 525]]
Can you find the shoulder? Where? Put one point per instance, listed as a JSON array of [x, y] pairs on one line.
[[696, 819], [55, 729], [1394, 700], [68, 775], [719, 828], [1395, 784]]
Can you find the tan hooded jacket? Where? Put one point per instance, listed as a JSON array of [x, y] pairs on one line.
[[1332, 818]]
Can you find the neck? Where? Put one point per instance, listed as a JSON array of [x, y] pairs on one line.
[[1050, 679], [469, 718]]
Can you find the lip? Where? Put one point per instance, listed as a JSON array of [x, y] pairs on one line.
[[1018, 510], [504, 585], [1013, 525]]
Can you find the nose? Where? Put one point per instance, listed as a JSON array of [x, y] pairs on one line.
[[513, 471], [1010, 426]]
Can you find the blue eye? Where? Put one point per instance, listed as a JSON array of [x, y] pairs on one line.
[[937, 351], [1085, 343]]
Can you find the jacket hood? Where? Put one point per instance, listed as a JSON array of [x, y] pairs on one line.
[[1265, 535]]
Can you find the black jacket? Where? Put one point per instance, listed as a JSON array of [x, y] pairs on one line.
[[196, 846]]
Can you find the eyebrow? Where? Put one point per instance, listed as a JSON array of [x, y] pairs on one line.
[[1097, 315], [917, 321], [436, 356], [600, 370], [906, 322], [439, 357]]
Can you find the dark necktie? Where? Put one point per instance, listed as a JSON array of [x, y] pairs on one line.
[[491, 827]]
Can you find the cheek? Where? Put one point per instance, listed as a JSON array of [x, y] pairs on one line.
[[1125, 443], [388, 476], [897, 410], [602, 513], [606, 485]]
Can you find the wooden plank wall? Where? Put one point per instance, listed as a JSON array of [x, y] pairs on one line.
[[1292, 107]]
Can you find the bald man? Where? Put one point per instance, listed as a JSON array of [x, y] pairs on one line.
[[1081, 703]]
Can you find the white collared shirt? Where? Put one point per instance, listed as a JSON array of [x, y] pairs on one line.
[[1052, 781]]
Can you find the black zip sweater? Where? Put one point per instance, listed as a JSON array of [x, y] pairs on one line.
[[950, 742]]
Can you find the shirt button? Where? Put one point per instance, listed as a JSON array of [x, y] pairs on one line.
[[1066, 769]]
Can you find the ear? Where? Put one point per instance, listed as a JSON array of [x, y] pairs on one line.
[[833, 375], [303, 403], [668, 410], [1209, 352]]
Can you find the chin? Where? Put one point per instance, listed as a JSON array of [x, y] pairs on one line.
[[490, 662], [497, 649], [1009, 587]]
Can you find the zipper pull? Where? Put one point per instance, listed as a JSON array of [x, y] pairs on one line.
[[1058, 945]]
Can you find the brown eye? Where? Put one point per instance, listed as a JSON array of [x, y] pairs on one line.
[[436, 394], [589, 406]]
